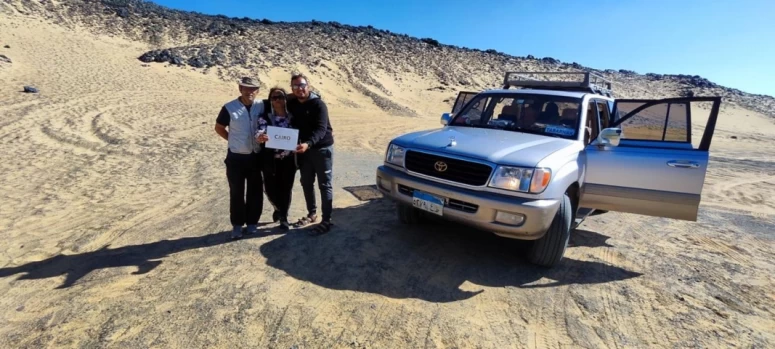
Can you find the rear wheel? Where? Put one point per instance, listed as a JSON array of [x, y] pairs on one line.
[[408, 214], [549, 249]]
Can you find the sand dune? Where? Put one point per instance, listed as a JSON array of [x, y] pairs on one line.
[[114, 209]]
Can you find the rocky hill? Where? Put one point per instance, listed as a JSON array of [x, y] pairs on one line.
[[232, 46]]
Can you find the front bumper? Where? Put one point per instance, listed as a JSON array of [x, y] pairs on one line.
[[474, 208]]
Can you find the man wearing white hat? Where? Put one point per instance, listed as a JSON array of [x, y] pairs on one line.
[[242, 158]]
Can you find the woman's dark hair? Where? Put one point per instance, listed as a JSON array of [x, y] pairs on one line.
[[275, 89], [269, 98]]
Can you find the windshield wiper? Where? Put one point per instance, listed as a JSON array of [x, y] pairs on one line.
[[474, 125]]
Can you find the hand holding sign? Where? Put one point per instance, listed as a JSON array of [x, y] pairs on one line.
[[282, 138]]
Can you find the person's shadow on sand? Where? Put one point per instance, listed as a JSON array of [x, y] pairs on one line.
[[143, 256], [367, 251]]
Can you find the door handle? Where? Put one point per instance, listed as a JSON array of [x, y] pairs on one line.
[[683, 164]]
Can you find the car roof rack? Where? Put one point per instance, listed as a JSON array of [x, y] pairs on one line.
[[591, 83]]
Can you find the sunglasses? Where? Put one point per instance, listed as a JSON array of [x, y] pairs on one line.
[[298, 86], [278, 98]]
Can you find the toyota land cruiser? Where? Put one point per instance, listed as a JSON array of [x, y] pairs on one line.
[[532, 162]]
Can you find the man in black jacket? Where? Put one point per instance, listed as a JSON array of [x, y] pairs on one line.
[[315, 151]]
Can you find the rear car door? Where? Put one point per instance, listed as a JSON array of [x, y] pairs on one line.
[[659, 166]]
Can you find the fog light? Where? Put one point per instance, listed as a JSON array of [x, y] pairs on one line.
[[509, 218], [384, 183]]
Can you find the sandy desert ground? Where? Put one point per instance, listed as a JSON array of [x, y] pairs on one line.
[[114, 220]]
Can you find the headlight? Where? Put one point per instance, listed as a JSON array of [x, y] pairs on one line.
[[532, 180], [395, 155]]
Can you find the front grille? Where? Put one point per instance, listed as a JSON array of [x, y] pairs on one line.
[[450, 203], [462, 206], [460, 171]]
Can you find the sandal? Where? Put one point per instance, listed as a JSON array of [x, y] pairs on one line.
[[322, 228], [305, 221]]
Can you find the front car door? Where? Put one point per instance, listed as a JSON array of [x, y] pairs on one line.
[[658, 168], [462, 98]]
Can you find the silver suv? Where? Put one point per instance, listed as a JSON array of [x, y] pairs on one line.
[[533, 162]]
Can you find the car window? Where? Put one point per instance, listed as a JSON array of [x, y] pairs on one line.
[[605, 115], [659, 122], [677, 127], [473, 114], [555, 116], [591, 129], [462, 99]]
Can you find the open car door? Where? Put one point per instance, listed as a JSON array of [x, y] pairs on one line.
[[655, 166], [463, 97]]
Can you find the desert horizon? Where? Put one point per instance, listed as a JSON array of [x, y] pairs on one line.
[[115, 203]]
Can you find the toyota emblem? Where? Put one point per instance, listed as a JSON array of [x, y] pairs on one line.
[[440, 166]]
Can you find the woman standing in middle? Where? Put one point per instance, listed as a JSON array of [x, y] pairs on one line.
[[279, 166]]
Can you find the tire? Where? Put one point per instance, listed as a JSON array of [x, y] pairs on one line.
[[549, 250], [408, 214]]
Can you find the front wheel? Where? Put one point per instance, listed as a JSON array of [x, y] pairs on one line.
[[549, 249]]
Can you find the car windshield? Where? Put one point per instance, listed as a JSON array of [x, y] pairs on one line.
[[554, 116]]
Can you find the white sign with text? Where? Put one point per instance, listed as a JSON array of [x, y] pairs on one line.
[[282, 138]]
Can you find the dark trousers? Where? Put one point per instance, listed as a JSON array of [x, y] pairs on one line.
[[318, 163], [243, 170], [279, 175]]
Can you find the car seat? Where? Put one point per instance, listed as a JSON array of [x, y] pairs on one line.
[[509, 113], [551, 114], [569, 116]]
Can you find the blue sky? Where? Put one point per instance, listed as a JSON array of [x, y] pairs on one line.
[[731, 43]]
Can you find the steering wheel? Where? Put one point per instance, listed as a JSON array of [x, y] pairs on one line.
[[567, 122]]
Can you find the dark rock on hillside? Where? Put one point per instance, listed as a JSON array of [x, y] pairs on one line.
[[653, 76], [4, 58], [203, 41], [30, 89], [161, 56]]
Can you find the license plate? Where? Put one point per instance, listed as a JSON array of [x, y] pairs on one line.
[[428, 202]]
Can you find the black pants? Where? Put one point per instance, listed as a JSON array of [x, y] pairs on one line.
[[243, 170], [279, 175], [318, 163]]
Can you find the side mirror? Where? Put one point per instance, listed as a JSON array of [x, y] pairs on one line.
[[609, 136], [445, 118]]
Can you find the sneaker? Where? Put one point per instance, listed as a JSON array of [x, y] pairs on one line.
[[275, 216], [236, 232], [284, 225], [252, 229]]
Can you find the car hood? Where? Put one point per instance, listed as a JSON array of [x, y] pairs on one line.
[[497, 146]]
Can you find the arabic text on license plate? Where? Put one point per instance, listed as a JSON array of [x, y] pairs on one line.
[[427, 202]]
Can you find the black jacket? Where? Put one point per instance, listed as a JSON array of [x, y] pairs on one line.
[[311, 119]]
